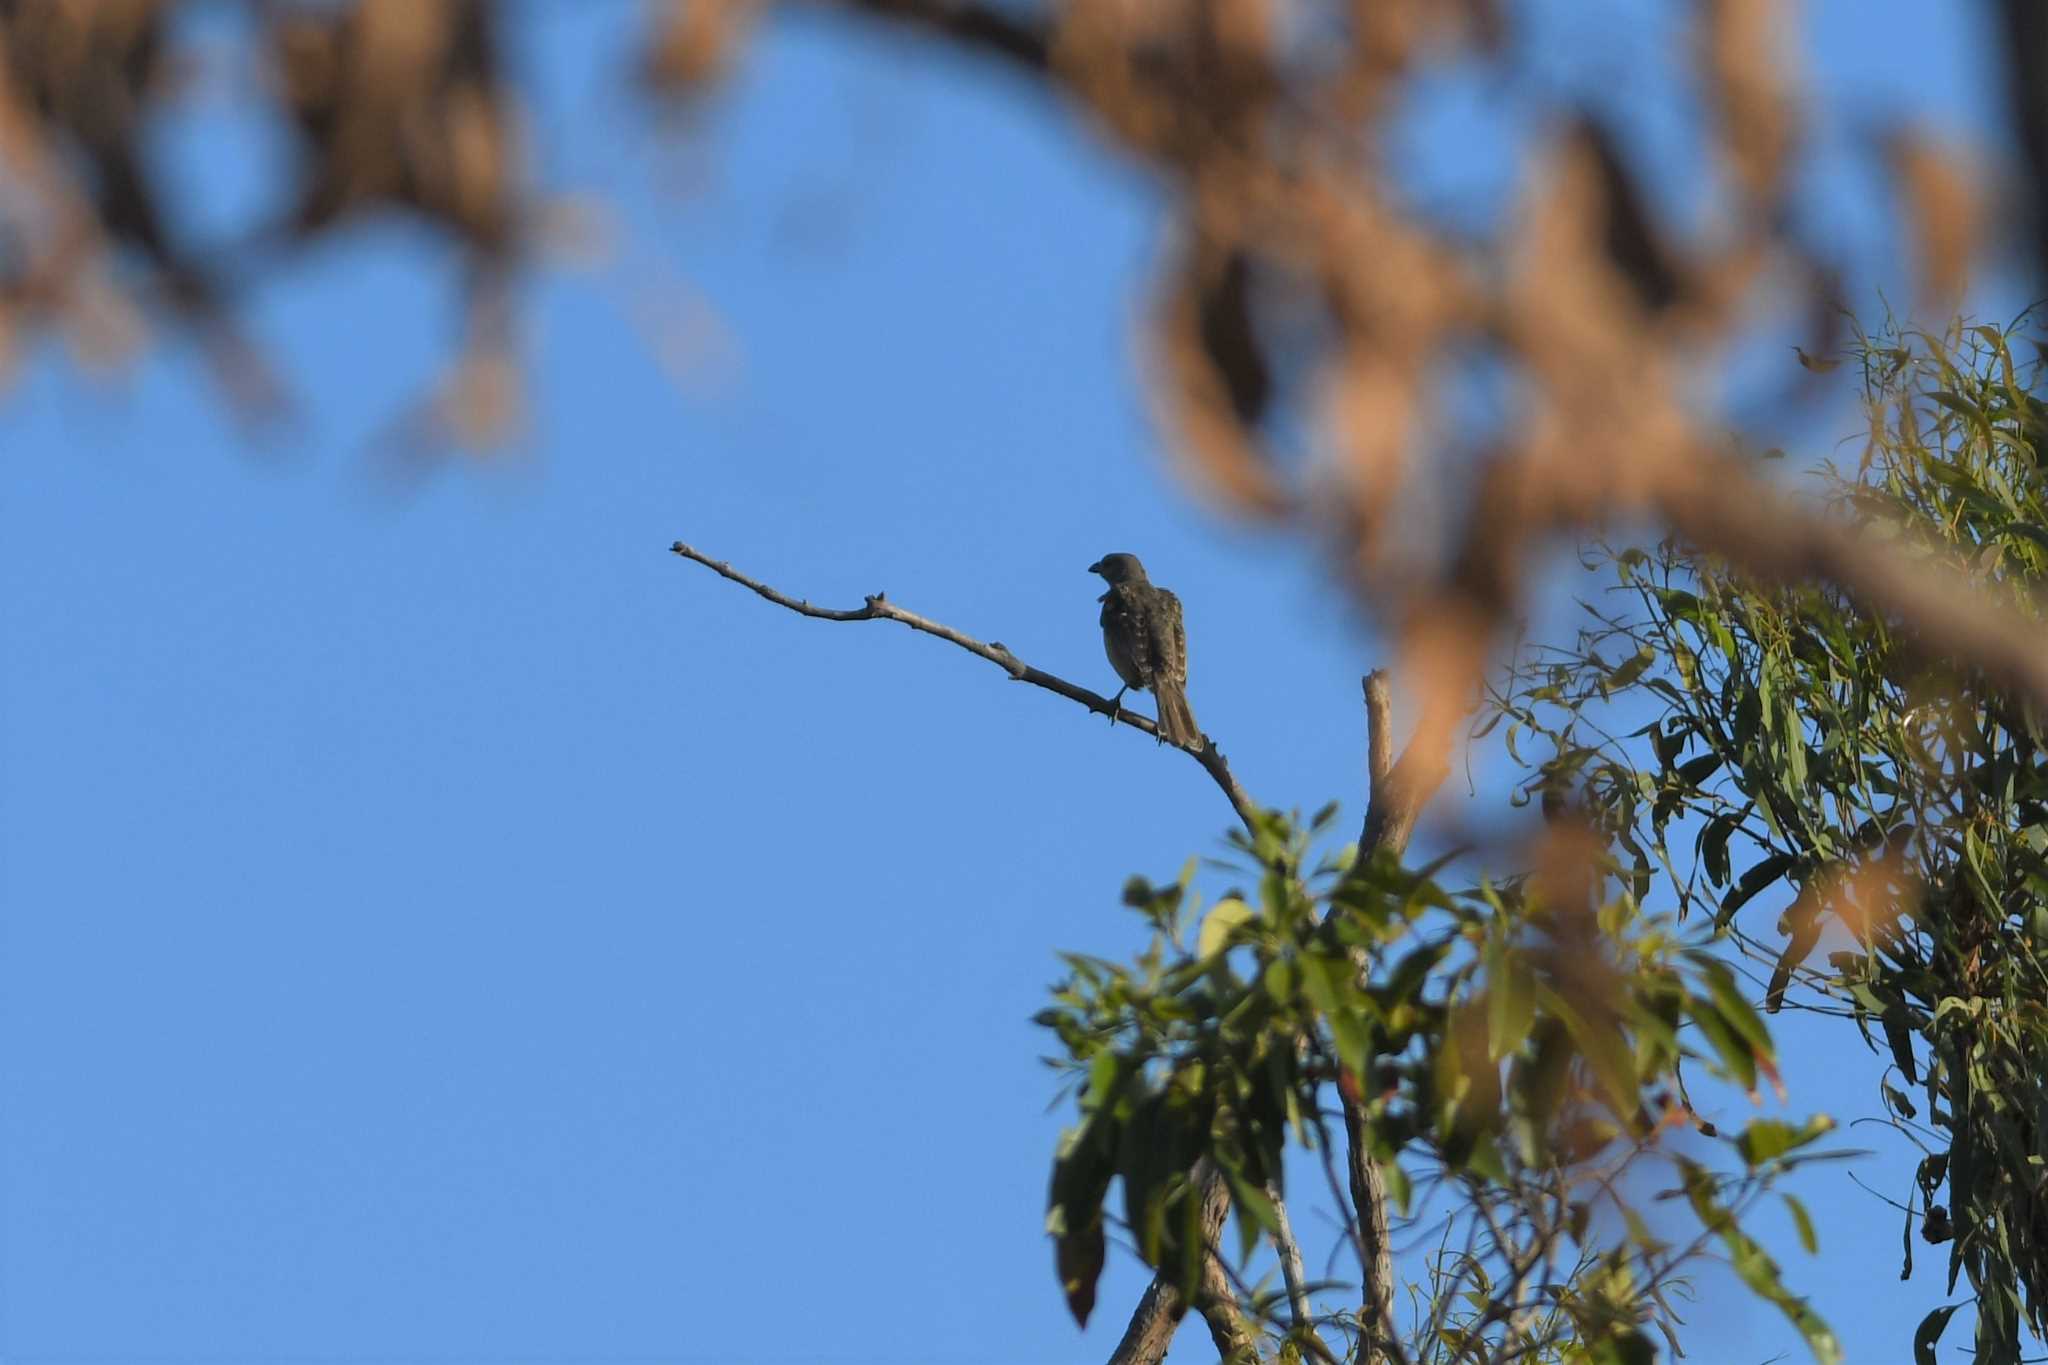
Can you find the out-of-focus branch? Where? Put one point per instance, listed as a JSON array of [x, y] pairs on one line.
[[1719, 505], [879, 608], [977, 27], [2026, 57]]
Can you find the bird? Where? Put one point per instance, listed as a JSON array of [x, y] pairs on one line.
[[1147, 645]]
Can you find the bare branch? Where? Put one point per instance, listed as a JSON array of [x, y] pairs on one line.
[[1289, 1251], [1399, 792], [1379, 727], [1509, 1300], [1369, 1197], [879, 608]]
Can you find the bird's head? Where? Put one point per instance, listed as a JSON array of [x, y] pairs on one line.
[[1117, 569]]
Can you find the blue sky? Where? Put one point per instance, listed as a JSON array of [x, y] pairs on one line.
[[436, 924]]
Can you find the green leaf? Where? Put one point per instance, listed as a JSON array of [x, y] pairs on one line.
[[1250, 1199], [1629, 1347], [1803, 1221], [1697, 770], [1753, 881], [1222, 920], [1353, 1034], [1898, 1036], [1081, 1173], [1735, 1052], [1929, 1333], [1768, 1139], [1975, 854], [1756, 1268], [1413, 970], [1714, 847], [1102, 1078], [1955, 402], [1327, 981], [1735, 1007], [2026, 531], [1632, 669], [1510, 1007], [1604, 1048]]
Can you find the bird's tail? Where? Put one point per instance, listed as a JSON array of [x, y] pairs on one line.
[[1176, 717]]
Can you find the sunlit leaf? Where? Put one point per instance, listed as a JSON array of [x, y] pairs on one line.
[[1803, 1222], [1223, 919], [1768, 1139]]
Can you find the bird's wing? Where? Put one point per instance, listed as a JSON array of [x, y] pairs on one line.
[[1125, 637], [1169, 637]]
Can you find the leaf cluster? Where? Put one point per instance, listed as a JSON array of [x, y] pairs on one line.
[[1766, 755], [1520, 1040]]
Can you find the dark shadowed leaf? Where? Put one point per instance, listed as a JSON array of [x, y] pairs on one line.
[[1928, 1336], [1753, 881]]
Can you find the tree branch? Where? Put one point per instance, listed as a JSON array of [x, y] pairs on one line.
[[2026, 57], [1369, 1196], [880, 608], [1159, 1312], [1301, 1313], [1399, 791], [1379, 731], [980, 28]]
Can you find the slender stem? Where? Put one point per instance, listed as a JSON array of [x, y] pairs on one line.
[[1289, 1251]]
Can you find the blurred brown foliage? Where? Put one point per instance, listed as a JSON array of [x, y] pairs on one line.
[[1260, 119]]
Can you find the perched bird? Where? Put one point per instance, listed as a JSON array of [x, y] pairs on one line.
[[1146, 644]]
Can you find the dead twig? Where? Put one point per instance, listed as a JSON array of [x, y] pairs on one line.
[[878, 607]]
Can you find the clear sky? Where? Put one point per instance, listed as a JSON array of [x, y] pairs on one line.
[[438, 925]]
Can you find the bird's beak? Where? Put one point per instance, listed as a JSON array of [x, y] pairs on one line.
[[1096, 567]]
